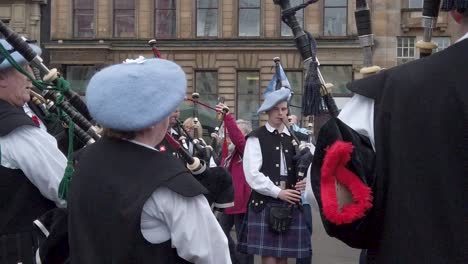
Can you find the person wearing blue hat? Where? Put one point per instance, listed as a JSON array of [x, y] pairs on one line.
[[274, 226], [128, 202], [415, 119], [31, 165]]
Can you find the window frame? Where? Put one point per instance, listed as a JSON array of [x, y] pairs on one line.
[[415, 7], [197, 8], [301, 71], [66, 73], [346, 19], [259, 95], [441, 48], [340, 94], [259, 19], [155, 9], [75, 26], [207, 128], [114, 33], [401, 59]]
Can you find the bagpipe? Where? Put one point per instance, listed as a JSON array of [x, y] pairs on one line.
[[343, 168], [342, 192], [58, 103], [53, 94], [217, 180]]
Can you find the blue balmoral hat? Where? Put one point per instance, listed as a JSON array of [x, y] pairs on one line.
[[459, 5], [274, 98], [135, 94], [5, 64]]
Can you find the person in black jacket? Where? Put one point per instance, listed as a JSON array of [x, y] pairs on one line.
[[31, 165], [128, 202], [416, 119]]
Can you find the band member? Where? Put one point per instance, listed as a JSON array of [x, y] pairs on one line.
[[31, 165], [233, 216], [270, 172], [173, 119], [128, 202], [416, 117]]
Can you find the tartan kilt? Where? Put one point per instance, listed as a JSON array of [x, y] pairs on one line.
[[256, 237]]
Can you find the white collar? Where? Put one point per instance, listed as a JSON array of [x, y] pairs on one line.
[[141, 144], [271, 129], [462, 38], [174, 132]]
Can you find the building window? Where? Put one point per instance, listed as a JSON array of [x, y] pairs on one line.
[[405, 49], [335, 17], [285, 30], [339, 76], [249, 18], [415, 4], [206, 84], [124, 18], [83, 18], [165, 18], [207, 18], [248, 96], [295, 80], [78, 76], [442, 43]]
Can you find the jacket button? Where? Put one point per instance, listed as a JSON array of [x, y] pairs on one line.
[[277, 148], [286, 150], [277, 165]]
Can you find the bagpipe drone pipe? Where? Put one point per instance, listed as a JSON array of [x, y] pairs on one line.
[[58, 104], [53, 94], [217, 180], [341, 182]]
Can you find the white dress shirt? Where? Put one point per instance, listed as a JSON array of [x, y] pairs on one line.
[[187, 221], [253, 161], [35, 153]]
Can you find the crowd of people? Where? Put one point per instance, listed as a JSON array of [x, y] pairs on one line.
[[135, 197]]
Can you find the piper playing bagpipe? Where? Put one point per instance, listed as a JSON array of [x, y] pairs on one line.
[[273, 226], [147, 207], [31, 165], [216, 179], [415, 117]]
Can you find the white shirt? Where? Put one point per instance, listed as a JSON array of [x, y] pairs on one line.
[[253, 161], [35, 153], [187, 221]]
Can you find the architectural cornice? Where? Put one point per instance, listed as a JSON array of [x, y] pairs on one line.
[[41, 2], [201, 44]]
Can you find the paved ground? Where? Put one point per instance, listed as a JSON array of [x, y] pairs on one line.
[[327, 250]]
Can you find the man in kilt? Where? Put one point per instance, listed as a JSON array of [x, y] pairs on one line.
[[269, 170]]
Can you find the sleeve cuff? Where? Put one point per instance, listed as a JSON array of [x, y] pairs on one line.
[[276, 190]]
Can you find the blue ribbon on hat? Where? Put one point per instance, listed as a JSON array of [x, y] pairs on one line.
[[273, 83]]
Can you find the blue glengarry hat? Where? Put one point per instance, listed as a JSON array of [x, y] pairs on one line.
[[136, 94], [274, 98], [459, 5], [5, 64]]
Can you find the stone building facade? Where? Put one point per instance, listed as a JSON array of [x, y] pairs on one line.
[[23, 16], [226, 47]]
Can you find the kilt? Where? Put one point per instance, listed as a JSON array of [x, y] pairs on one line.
[[256, 238]]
